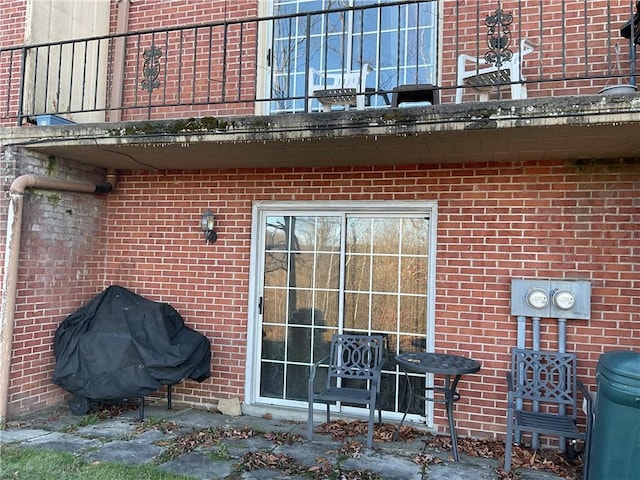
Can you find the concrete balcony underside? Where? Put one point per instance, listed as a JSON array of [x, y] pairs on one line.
[[564, 128]]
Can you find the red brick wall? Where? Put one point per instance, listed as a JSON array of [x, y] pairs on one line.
[[495, 222], [61, 265], [12, 24]]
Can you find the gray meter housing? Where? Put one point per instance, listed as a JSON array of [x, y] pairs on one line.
[[551, 298]]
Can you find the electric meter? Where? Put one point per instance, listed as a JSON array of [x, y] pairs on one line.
[[537, 298], [564, 299]]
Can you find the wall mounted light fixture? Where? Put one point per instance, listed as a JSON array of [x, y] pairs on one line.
[[207, 223]]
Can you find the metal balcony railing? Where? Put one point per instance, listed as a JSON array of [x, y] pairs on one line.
[[437, 51]]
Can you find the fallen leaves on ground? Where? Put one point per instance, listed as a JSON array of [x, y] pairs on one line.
[[548, 460], [236, 432], [164, 426], [283, 438], [424, 459], [101, 411], [352, 449], [261, 460], [207, 437], [341, 429], [322, 468], [107, 410]]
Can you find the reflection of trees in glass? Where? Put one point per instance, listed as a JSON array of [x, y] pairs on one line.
[[398, 41], [386, 260], [385, 271], [287, 242], [291, 45], [302, 254]]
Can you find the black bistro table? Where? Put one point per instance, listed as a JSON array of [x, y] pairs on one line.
[[452, 367]]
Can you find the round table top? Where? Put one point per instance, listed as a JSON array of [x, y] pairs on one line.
[[425, 362]]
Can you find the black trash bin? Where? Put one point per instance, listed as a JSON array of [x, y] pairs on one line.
[[615, 440]]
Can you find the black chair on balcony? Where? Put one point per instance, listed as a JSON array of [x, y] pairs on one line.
[[542, 399], [353, 376]]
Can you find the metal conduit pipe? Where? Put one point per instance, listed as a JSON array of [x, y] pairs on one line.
[[11, 258], [535, 438]]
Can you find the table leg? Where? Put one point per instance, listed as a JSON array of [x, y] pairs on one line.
[[406, 410], [450, 397]]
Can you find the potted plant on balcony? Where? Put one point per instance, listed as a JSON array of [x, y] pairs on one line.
[[630, 30], [620, 87]]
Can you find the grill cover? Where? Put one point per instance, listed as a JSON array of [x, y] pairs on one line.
[[121, 345]]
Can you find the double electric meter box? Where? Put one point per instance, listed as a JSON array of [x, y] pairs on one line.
[[551, 298]]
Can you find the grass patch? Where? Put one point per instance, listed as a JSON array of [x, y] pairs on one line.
[[221, 452], [89, 419], [27, 463]]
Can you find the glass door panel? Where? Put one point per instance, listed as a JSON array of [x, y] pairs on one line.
[[300, 299]]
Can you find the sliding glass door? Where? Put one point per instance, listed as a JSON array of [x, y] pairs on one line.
[[363, 270]]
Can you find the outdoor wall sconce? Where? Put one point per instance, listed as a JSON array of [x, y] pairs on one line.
[[207, 223]]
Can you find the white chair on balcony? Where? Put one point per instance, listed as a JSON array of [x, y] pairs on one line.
[[476, 73], [343, 88]]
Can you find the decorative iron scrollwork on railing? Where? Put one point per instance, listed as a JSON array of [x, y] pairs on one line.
[[498, 37], [151, 68]]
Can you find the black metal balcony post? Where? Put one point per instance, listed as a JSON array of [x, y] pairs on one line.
[[498, 39], [224, 61], [151, 71], [84, 73], [59, 76], [46, 76], [194, 69], [241, 50], [23, 67], [630, 30], [209, 63], [73, 56], [307, 60]]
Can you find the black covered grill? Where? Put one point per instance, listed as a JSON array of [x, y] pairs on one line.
[[120, 345]]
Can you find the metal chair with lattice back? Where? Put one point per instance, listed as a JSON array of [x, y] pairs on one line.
[[353, 376], [542, 399]]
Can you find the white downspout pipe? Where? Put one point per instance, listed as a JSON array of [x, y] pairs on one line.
[[11, 258]]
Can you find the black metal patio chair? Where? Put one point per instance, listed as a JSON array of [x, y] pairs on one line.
[[542, 399], [353, 376]]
